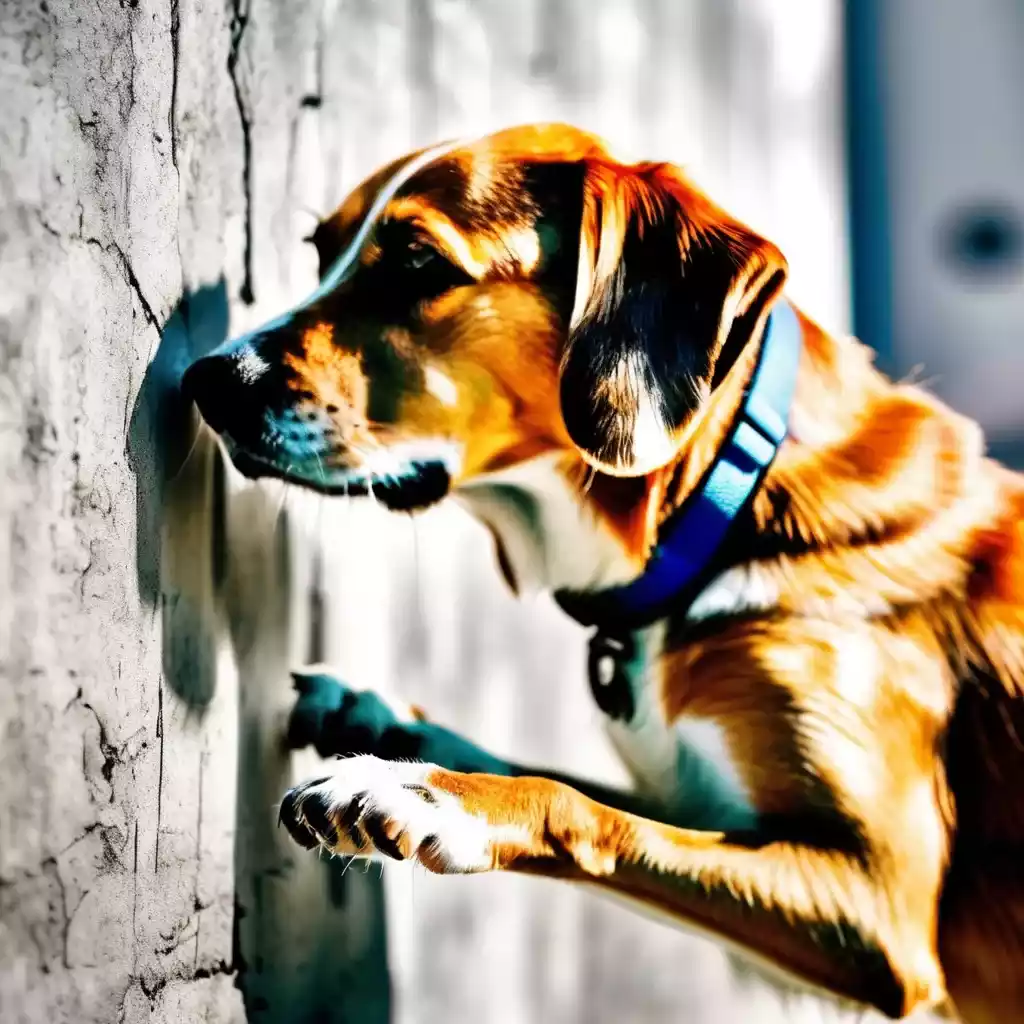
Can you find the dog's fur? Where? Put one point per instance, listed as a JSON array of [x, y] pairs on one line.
[[560, 341]]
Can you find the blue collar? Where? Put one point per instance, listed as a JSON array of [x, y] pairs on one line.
[[686, 552]]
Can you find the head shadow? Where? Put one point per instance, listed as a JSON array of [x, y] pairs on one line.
[[179, 479]]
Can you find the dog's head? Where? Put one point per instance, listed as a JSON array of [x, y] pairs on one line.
[[486, 302]]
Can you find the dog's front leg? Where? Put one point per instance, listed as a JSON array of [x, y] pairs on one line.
[[820, 915], [339, 721]]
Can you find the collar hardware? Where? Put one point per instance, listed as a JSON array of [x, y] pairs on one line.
[[608, 657]]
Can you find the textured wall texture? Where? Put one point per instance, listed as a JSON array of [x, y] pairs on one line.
[[160, 162], [120, 185]]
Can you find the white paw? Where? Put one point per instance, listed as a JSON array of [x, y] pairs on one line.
[[367, 806]]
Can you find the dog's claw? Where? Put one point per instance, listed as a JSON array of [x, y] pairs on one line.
[[297, 826]]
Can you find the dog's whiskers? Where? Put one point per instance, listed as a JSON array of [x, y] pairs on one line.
[[590, 475], [320, 522], [191, 451], [418, 580], [285, 490]]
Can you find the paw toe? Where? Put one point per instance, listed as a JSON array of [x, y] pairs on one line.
[[291, 815], [387, 835], [349, 819], [317, 814]]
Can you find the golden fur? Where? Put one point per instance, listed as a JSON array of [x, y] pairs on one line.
[[873, 705]]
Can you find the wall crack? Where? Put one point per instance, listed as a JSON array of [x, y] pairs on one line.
[[133, 281], [239, 23], [172, 124], [112, 249]]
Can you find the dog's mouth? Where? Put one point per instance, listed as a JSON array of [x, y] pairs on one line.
[[414, 484]]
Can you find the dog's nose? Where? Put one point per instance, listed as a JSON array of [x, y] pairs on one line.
[[211, 382], [234, 390]]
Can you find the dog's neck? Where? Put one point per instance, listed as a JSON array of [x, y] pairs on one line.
[[557, 526], [548, 533]]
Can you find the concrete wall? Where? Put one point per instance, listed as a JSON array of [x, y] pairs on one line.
[[158, 163], [120, 186]]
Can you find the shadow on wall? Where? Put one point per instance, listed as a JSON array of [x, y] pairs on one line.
[[179, 529], [220, 562]]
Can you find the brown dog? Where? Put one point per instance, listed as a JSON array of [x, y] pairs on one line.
[[562, 342]]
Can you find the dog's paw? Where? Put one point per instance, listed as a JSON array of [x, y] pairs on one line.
[[335, 719], [368, 807]]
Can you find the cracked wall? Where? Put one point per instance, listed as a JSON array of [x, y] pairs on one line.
[[159, 164], [141, 876], [116, 854]]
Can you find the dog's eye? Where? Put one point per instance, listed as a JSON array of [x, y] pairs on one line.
[[419, 254]]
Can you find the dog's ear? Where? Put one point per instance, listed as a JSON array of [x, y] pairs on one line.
[[669, 290]]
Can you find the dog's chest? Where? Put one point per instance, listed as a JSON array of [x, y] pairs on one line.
[[685, 765]]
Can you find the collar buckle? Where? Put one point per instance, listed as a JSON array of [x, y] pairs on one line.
[[608, 657]]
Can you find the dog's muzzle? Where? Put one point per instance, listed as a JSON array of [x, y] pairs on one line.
[[239, 398]]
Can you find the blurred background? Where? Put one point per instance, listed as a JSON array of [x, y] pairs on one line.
[[160, 163]]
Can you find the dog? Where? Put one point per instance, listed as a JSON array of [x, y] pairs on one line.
[[813, 667]]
